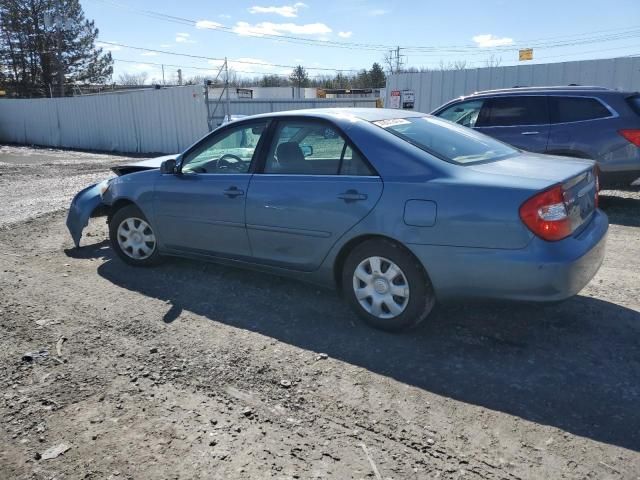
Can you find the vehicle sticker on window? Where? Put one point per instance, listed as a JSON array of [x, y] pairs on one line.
[[392, 122]]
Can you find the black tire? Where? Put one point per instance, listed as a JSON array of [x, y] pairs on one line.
[[131, 212], [421, 297]]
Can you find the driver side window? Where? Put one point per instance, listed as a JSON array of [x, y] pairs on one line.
[[230, 151], [464, 113]]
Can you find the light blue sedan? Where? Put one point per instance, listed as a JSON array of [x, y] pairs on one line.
[[395, 209]]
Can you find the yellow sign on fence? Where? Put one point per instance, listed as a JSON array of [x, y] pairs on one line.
[[526, 54]]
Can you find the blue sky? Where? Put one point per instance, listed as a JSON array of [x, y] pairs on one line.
[[435, 32]]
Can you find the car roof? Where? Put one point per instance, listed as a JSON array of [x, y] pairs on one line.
[[367, 114], [574, 90]]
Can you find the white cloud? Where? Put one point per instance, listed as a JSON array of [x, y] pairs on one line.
[[488, 40], [246, 64], [202, 24], [143, 67], [268, 28], [288, 11], [224, 15], [345, 34], [149, 54], [376, 12], [183, 38]]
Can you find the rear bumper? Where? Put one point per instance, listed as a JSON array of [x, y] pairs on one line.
[[543, 271]]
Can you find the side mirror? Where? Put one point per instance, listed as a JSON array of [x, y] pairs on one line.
[[168, 167], [307, 150]]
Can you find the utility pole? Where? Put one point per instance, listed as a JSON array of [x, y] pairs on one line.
[[226, 86], [395, 57], [59, 21], [163, 75], [206, 102]]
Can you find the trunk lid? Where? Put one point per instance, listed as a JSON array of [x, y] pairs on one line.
[[539, 172], [528, 166]]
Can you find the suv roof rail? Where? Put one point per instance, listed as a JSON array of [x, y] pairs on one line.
[[520, 88]]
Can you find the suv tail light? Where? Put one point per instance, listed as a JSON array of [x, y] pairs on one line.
[[633, 135], [596, 177], [545, 214]]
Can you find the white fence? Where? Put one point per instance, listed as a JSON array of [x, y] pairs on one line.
[[254, 107], [147, 121], [165, 120], [435, 88]]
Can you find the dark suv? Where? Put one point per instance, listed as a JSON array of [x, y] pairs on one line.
[[583, 122]]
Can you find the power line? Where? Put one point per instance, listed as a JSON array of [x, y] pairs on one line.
[[570, 40], [203, 57], [193, 67]]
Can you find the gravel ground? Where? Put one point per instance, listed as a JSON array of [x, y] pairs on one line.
[[193, 370]]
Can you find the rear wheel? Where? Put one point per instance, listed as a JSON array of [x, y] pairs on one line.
[[133, 238], [386, 285]]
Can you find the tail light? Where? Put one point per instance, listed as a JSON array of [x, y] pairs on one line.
[[633, 135], [545, 214], [596, 177]]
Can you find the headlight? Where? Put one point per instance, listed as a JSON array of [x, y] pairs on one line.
[[104, 186]]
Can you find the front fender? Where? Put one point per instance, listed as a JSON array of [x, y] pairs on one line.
[[82, 207]]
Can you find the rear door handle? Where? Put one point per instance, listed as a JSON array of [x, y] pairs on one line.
[[530, 133], [352, 196], [233, 192]]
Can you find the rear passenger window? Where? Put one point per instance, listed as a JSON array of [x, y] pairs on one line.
[[309, 147], [353, 164], [513, 111], [576, 109], [634, 103]]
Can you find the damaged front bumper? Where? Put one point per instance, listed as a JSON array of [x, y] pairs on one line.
[[86, 204]]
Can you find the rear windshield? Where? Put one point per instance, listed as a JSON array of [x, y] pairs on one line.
[[634, 103], [447, 140]]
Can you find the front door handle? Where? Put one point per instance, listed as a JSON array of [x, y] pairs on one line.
[[352, 196], [233, 192], [529, 133]]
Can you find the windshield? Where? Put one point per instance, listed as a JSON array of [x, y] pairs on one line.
[[447, 140]]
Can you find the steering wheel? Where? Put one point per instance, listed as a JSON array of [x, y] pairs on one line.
[[228, 160]]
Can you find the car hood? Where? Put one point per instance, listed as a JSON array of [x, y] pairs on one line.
[[548, 168], [149, 164]]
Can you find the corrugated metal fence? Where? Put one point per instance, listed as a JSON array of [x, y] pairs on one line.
[[166, 120], [435, 88], [256, 106], [162, 121]]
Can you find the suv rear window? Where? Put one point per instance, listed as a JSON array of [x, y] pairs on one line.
[[447, 141], [513, 111], [634, 103], [576, 109]]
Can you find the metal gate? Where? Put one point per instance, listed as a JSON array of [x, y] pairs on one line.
[[216, 108]]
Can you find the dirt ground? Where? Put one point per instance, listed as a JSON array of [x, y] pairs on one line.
[[193, 370]]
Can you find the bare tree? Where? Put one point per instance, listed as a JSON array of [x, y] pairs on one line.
[[388, 61], [455, 65], [195, 80], [493, 61], [133, 79]]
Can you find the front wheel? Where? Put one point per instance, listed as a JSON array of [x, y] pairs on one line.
[[387, 286], [133, 238]]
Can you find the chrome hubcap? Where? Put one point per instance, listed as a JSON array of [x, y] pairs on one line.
[[136, 238], [381, 287]]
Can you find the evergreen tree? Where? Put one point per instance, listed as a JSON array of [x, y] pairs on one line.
[[377, 78], [299, 77], [46, 46]]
